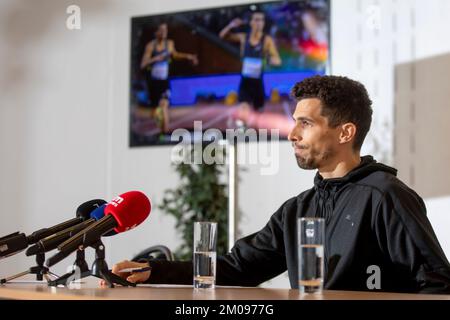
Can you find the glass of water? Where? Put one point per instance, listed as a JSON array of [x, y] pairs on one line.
[[205, 239], [311, 233]]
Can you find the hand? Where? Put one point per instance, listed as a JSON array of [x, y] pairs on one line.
[[236, 23], [194, 59], [137, 277], [145, 64]]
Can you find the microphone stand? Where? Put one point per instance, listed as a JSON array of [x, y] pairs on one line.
[[80, 265], [39, 270], [99, 269]]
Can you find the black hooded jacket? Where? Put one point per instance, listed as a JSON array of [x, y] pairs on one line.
[[372, 219]]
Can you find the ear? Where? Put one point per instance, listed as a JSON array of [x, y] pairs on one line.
[[348, 132]]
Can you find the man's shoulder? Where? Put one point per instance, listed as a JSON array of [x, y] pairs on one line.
[[383, 182], [288, 208], [293, 201]]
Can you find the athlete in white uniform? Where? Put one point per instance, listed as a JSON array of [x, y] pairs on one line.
[[155, 62]]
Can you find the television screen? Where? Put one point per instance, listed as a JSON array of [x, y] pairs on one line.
[[227, 68]]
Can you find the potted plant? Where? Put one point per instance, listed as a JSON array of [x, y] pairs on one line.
[[200, 196]]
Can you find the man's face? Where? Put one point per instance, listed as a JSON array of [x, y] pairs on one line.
[[257, 22], [161, 33], [314, 142]]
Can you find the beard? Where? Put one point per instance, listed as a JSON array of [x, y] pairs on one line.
[[314, 159], [306, 163]]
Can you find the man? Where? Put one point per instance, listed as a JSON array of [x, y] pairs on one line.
[[372, 218], [256, 46], [155, 61]]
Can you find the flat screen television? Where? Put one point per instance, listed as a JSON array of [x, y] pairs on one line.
[[223, 68]]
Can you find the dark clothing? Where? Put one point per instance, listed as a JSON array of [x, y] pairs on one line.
[[157, 77], [254, 51], [372, 218], [251, 87], [158, 89], [252, 91]]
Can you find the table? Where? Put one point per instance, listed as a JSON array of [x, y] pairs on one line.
[[90, 290]]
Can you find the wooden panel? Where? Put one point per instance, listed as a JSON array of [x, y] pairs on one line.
[[421, 126], [91, 290]]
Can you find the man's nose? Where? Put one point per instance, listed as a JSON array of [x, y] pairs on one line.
[[294, 135]]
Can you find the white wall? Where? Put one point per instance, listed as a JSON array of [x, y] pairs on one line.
[[376, 36], [64, 112], [54, 100]]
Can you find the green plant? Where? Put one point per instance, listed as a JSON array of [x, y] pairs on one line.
[[199, 197]]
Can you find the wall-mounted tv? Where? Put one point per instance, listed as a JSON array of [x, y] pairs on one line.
[[228, 67]]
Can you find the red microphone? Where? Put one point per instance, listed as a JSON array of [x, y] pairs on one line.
[[123, 213], [129, 210]]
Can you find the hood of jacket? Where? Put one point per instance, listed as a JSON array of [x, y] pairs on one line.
[[326, 190]]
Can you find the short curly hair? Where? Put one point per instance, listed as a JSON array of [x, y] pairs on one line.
[[343, 100]]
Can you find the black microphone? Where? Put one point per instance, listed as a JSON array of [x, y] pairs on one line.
[[53, 241], [16, 242], [82, 214], [121, 214], [13, 243]]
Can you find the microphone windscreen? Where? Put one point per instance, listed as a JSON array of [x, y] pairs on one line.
[[98, 213], [129, 209], [85, 209]]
